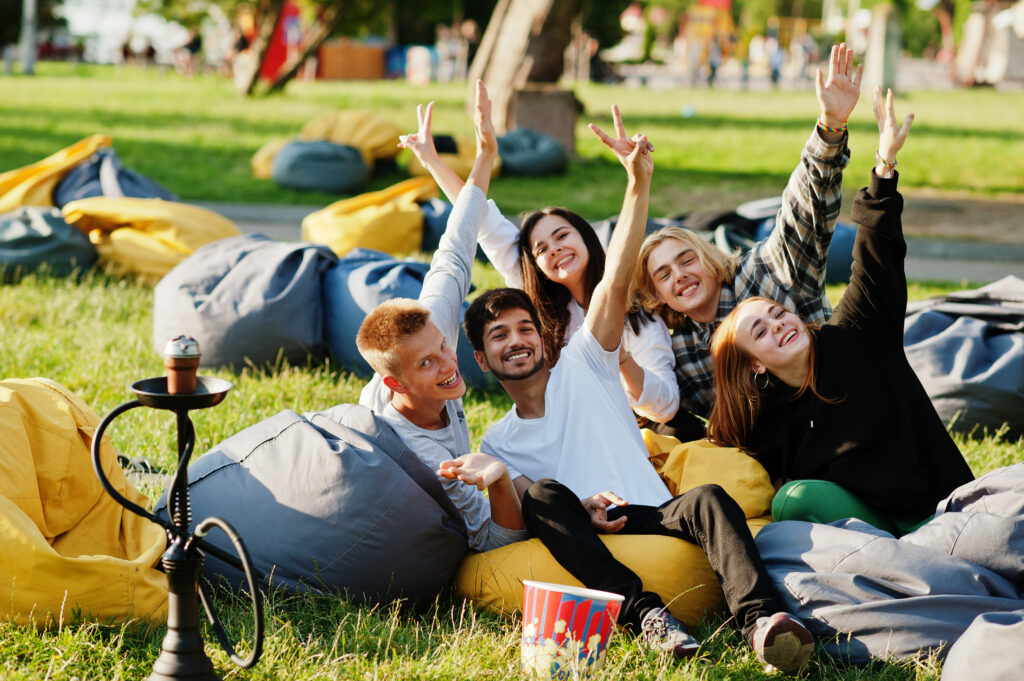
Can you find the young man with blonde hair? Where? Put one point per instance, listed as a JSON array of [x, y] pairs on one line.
[[417, 388]]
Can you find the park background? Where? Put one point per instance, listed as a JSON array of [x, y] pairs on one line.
[[717, 146]]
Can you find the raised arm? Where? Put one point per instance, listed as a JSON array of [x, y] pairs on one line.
[[421, 144], [610, 300], [838, 95]]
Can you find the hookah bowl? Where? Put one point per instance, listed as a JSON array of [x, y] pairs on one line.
[[183, 655]]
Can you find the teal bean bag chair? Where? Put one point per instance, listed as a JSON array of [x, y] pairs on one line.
[[320, 165], [33, 238], [528, 152]]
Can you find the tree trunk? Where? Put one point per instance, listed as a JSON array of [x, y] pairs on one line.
[[311, 42], [247, 86]]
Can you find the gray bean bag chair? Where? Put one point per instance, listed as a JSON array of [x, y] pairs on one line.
[[992, 648], [103, 174], [329, 501], [320, 165], [968, 350], [528, 152], [33, 237], [246, 299], [360, 281]]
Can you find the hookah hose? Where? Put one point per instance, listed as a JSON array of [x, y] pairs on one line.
[[180, 512]]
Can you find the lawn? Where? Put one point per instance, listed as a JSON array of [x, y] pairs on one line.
[[94, 335]]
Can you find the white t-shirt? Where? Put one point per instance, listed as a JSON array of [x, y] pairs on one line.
[[587, 439]]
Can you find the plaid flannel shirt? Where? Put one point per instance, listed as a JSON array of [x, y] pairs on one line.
[[788, 266]]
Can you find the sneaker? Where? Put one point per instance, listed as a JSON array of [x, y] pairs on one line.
[[661, 631], [782, 642]]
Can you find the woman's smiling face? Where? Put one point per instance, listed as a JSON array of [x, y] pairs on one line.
[[559, 250], [773, 336]]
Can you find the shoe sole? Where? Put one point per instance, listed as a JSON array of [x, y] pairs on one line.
[[787, 645]]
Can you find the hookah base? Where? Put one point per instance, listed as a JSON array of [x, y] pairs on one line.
[[182, 659]]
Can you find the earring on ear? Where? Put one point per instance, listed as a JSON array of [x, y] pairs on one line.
[[758, 385]]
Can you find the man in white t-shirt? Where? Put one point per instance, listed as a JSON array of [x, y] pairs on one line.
[[572, 432], [417, 388]]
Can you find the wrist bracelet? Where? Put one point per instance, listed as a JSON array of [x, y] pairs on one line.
[[826, 128], [626, 358], [889, 167]]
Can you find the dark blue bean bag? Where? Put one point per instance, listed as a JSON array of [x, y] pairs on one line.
[[103, 174], [528, 152], [362, 280], [246, 299], [839, 261], [33, 238], [320, 165], [968, 350], [329, 501]]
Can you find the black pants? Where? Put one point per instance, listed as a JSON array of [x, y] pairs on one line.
[[705, 516]]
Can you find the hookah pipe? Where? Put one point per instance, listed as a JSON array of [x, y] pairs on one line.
[[183, 655]]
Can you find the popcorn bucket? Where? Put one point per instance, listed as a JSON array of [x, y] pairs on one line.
[[566, 629]]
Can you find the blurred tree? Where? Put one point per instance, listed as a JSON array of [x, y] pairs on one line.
[[10, 18]]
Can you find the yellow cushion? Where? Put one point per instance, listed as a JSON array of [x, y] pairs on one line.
[[388, 220], [460, 162], [146, 237], [66, 544], [374, 136], [263, 160], [33, 185], [674, 569]]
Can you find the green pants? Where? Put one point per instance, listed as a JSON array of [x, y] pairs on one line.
[[818, 501]]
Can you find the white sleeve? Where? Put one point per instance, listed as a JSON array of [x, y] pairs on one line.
[[487, 447], [499, 239], [652, 350]]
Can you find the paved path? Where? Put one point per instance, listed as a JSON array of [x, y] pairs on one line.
[[929, 258]]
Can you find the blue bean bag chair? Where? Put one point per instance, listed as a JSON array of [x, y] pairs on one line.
[[968, 350], [103, 174], [329, 501], [319, 165], [246, 299], [358, 283], [839, 262], [528, 152], [33, 237]]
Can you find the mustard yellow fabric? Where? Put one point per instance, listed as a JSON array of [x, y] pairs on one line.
[[461, 162], [388, 220], [374, 136], [263, 160], [33, 185], [146, 237], [67, 545], [674, 569]]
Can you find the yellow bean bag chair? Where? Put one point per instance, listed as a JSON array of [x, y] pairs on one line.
[[674, 569], [374, 136], [67, 546], [146, 237], [461, 162], [33, 185], [388, 220], [263, 160]]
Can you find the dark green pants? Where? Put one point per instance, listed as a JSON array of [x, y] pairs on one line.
[[818, 501]]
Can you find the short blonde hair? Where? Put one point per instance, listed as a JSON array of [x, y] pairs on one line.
[[381, 334], [719, 265]]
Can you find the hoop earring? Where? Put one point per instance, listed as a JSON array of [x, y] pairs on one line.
[[758, 385]]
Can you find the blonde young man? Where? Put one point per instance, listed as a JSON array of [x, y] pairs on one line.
[[417, 388]]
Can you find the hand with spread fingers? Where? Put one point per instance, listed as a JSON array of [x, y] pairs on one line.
[[477, 469], [597, 507], [891, 137], [421, 142], [621, 145], [838, 95]]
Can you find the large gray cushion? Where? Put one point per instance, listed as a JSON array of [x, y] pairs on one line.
[[103, 174], [32, 238], [246, 299], [528, 152], [329, 500], [320, 165]]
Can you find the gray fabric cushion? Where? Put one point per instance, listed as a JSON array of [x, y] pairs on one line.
[[320, 165], [103, 174], [992, 649], [968, 350], [34, 237], [246, 298], [528, 152], [329, 500]]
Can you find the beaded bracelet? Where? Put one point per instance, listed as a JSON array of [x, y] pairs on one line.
[[826, 128], [889, 167]]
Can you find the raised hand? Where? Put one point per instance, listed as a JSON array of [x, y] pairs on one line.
[[421, 142], [477, 469], [891, 137], [621, 145], [639, 163], [839, 94], [597, 507], [486, 139]]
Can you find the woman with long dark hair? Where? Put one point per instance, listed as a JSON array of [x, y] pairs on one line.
[[834, 410]]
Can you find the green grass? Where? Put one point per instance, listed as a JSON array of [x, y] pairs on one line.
[[94, 336], [196, 137]]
